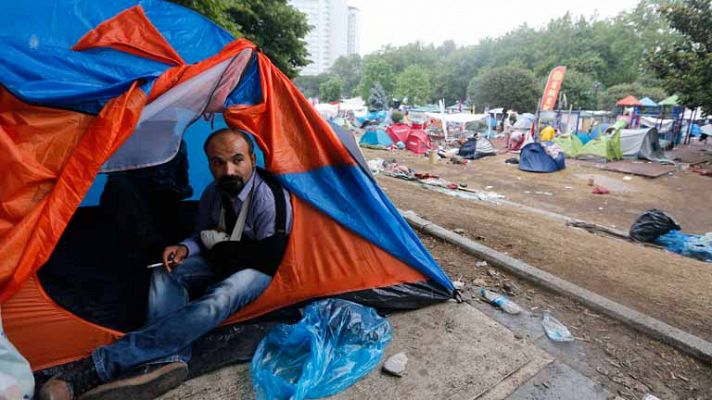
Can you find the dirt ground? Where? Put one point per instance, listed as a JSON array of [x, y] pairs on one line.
[[684, 194], [627, 363], [666, 286]]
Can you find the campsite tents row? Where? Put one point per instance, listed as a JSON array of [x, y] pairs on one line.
[[415, 140], [615, 144]]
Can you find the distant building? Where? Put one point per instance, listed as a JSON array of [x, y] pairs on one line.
[[352, 44], [334, 32]]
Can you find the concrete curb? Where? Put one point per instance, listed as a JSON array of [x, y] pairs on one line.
[[690, 344]]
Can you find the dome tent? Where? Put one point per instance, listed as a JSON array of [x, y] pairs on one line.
[[94, 97]]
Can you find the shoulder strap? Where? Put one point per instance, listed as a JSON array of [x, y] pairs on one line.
[[280, 204]]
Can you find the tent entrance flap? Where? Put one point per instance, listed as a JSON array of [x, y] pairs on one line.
[[163, 121]]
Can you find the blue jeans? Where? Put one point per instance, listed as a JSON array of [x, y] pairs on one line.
[[173, 321]]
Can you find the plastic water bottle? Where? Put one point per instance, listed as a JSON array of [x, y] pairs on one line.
[[500, 301], [554, 329]]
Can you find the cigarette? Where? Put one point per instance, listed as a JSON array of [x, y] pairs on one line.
[[154, 265]]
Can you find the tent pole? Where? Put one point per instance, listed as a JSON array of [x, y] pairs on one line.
[[689, 127]]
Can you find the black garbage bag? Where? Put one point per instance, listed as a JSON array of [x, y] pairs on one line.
[[652, 224]]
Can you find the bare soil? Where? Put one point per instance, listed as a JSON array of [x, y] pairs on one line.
[[684, 194], [627, 363], [666, 286]]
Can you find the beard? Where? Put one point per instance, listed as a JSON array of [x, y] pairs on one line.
[[231, 185]]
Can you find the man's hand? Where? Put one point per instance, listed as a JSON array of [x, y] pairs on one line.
[[174, 255]]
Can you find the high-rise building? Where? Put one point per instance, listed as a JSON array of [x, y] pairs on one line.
[[331, 33], [352, 43]]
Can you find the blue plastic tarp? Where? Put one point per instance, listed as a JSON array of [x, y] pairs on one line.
[[335, 344], [695, 246]]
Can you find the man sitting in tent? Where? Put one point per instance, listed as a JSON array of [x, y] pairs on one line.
[[244, 218]]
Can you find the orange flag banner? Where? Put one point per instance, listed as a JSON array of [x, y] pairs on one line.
[[551, 91]]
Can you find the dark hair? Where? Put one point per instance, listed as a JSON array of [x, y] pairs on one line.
[[244, 135]]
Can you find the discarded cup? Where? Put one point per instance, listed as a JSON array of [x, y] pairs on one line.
[[554, 329], [500, 301]]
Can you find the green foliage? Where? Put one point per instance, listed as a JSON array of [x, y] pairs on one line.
[[614, 93], [348, 68], [509, 87], [377, 99], [331, 90], [376, 69], [414, 83], [609, 52], [686, 64], [581, 90], [309, 85], [273, 25]]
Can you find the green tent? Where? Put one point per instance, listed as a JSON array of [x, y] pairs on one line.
[[570, 144], [606, 146], [670, 101]]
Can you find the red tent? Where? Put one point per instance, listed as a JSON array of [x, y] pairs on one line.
[[629, 101], [398, 132], [418, 141]]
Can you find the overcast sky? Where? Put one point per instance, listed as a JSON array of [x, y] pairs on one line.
[[399, 22]]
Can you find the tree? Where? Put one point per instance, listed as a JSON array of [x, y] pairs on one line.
[[686, 65], [580, 90], [273, 25], [376, 69], [309, 85], [331, 90], [509, 87], [414, 83], [348, 68], [377, 99]]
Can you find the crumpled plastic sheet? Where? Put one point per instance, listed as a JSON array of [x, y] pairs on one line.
[[375, 165], [695, 246], [335, 344]]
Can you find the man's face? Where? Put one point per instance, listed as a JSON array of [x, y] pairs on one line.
[[230, 162]]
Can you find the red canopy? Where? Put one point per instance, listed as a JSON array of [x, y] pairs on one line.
[[628, 102]]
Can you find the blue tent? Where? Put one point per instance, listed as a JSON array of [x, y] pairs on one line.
[[376, 137], [599, 129], [534, 158]]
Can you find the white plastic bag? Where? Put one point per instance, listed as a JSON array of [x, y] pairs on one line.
[[16, 379]]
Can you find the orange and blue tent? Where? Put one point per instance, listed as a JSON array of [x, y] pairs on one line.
[[95, 87]]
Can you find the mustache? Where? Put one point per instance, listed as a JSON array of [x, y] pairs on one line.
[[231, 184]]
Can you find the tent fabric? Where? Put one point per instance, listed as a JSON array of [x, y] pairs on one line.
[[418, 141], [398, 132], [524, 121], [376, 137], [598, 130], [534, 158], [570, 144], [673, 100], [648, 102], [628, 101], [642, 144], [605, 147], [130, 27], [46, 71], [475, 148], [346, 235]]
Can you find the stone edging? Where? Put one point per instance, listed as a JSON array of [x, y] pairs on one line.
[[690, 344]]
